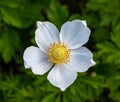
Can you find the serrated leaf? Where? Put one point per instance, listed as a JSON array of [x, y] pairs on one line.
[[11, 16], [10, 3], [49, 98], [57, 13], [116, 36], [9, 41], [74, 16], [22, 16]]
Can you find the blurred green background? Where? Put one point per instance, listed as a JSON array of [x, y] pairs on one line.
[[100, 83]]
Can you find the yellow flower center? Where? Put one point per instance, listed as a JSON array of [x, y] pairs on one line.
[[58, 53]]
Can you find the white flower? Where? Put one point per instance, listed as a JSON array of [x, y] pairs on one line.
[[61, 53]]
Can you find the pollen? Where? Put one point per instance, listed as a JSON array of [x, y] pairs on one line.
[[59, 53]]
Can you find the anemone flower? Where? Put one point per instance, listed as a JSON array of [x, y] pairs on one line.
[[61, 53]]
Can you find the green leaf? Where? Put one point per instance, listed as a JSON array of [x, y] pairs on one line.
[[22, 16], [74, 16], [49, 98], [57, 13], [11, 16], [116, 36], [10, 3], [9, 42]]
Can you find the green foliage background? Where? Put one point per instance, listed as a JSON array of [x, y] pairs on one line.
[[100, 83]]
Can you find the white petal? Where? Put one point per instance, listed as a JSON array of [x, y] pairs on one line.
[[84, 22], [74, 34], [81, 59], [62, 76], [36, 60], [46, 34], [26, 66]]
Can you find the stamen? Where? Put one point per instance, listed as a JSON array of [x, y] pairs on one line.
[[59, 53]]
